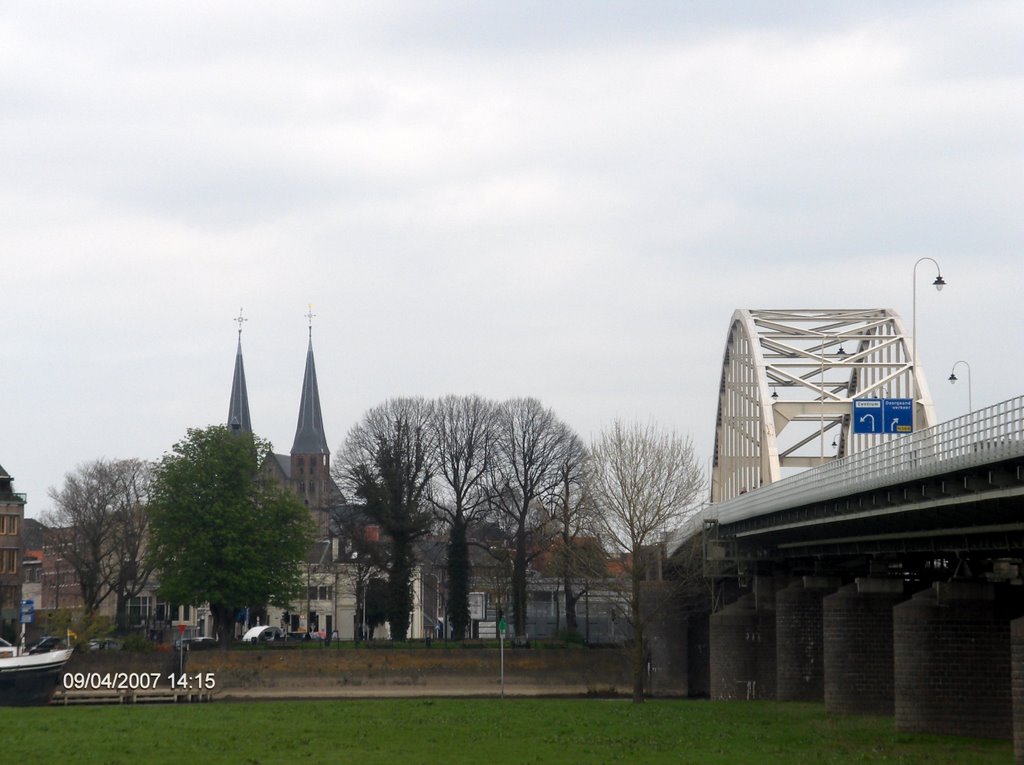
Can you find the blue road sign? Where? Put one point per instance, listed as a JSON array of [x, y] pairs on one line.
[[867, 415], [899, 415], [883, 415], [27, 612]]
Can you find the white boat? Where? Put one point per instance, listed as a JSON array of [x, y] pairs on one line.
[[29, 679]]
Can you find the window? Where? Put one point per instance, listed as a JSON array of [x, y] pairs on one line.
[[9, 525], [139, 610], [320, 592], [8, 561]]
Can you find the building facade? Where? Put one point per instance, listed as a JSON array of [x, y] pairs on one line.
[[12, 516]]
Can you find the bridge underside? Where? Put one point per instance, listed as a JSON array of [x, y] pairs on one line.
[[967, 514]]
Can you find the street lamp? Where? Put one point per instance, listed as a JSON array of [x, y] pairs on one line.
[[953, 378], [840, 353], [939, 283], [437, 602]]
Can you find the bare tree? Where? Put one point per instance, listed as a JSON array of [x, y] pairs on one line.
[[129, 568], [643, 482], [100, 524], [575, 555], [531, 443], [387, 463], [463, 437]]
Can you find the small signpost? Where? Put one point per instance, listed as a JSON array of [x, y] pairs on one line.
[[181, 648], [502, 629], [26, 615]]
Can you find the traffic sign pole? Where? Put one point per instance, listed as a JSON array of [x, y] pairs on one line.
[[26, 615], [502, 627]]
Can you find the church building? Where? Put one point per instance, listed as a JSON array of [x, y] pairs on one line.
[[329, 602]]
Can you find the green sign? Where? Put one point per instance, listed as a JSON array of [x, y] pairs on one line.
[[503, 626]]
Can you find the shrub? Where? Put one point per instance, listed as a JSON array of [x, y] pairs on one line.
[[137, 643]]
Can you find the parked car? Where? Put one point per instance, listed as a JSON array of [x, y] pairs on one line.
[[304, 636], [104, 644], [196, 643], [262, 634]]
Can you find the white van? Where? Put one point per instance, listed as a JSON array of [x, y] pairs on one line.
[[262, 634]]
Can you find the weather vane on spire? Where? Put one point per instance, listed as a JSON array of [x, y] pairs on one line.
[[240, 320], [310, 316]]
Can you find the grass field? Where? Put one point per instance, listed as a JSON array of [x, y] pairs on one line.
[[483, 732]]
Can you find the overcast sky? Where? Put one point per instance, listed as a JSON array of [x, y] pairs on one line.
[[565, 200]]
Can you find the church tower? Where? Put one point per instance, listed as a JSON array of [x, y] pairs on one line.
[[310, 457], [238, 408]]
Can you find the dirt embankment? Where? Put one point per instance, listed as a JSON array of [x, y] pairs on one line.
[[294, 672], [330, 672]]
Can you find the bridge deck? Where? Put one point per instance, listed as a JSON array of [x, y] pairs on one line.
[[959, 478]]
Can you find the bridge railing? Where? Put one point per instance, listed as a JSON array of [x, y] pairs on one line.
[[978, 438]]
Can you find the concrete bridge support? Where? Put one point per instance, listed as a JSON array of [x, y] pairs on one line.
[[800, 649], [742, 641], [858, 647], [667, 638], [952, 662], [698, 644], [1017, 685]]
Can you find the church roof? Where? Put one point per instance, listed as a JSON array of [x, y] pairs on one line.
[[309, 432], [284, 464], [238, 408], [6, 483]]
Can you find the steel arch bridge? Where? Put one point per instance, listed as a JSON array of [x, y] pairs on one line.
[[788, 380]]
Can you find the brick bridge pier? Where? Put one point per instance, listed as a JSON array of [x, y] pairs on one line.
[[947, 658]]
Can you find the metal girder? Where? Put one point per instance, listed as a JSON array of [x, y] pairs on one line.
[[788, 379]]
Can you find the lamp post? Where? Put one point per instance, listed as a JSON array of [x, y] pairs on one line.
[[939, 283], [437, 601], [840, 353], [953, 378]]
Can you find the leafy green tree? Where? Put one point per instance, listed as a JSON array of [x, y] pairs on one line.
[[219, 534]]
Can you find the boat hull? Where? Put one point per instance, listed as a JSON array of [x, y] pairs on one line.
[[31, 680]]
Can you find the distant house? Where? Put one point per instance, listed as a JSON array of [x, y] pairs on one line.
[[12, 516]]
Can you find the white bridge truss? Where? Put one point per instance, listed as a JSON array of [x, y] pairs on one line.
[[788, 382]]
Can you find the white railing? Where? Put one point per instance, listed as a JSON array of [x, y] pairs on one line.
[[985, 436]]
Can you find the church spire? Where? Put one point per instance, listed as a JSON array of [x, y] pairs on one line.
[[309, 432], [238, 408]]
